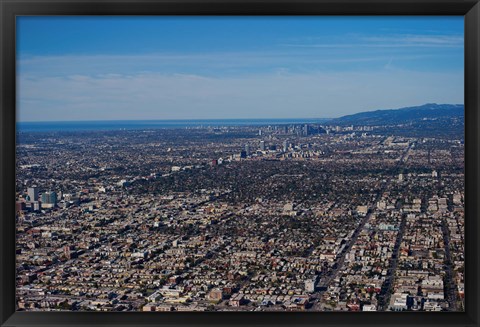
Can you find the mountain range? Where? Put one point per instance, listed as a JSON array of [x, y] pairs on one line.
[[408, 115]]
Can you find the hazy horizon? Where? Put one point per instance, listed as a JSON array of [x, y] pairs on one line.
[[191, 68], [221, 119]]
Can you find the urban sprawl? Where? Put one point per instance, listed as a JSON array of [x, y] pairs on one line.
[[292, 217]]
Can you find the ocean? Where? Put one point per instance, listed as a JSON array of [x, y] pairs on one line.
[[112, 125]]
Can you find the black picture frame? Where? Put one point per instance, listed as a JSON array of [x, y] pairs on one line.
[[9, 9]]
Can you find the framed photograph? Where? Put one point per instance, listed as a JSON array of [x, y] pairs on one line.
[[200, 163]]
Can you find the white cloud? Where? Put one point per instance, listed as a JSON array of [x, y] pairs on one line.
[[226, 63], [387, 41], [190, 96]]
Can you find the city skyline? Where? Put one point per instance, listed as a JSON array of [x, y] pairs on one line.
[[84, 68]]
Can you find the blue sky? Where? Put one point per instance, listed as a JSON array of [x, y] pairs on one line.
[[115, 68]]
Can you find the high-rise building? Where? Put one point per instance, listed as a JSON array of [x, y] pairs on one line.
[[32, 193], [20, 206], [35, 206], [305, 130], [310, 285], [262, 145], [285, 146], [49, 198], [247, 149]]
